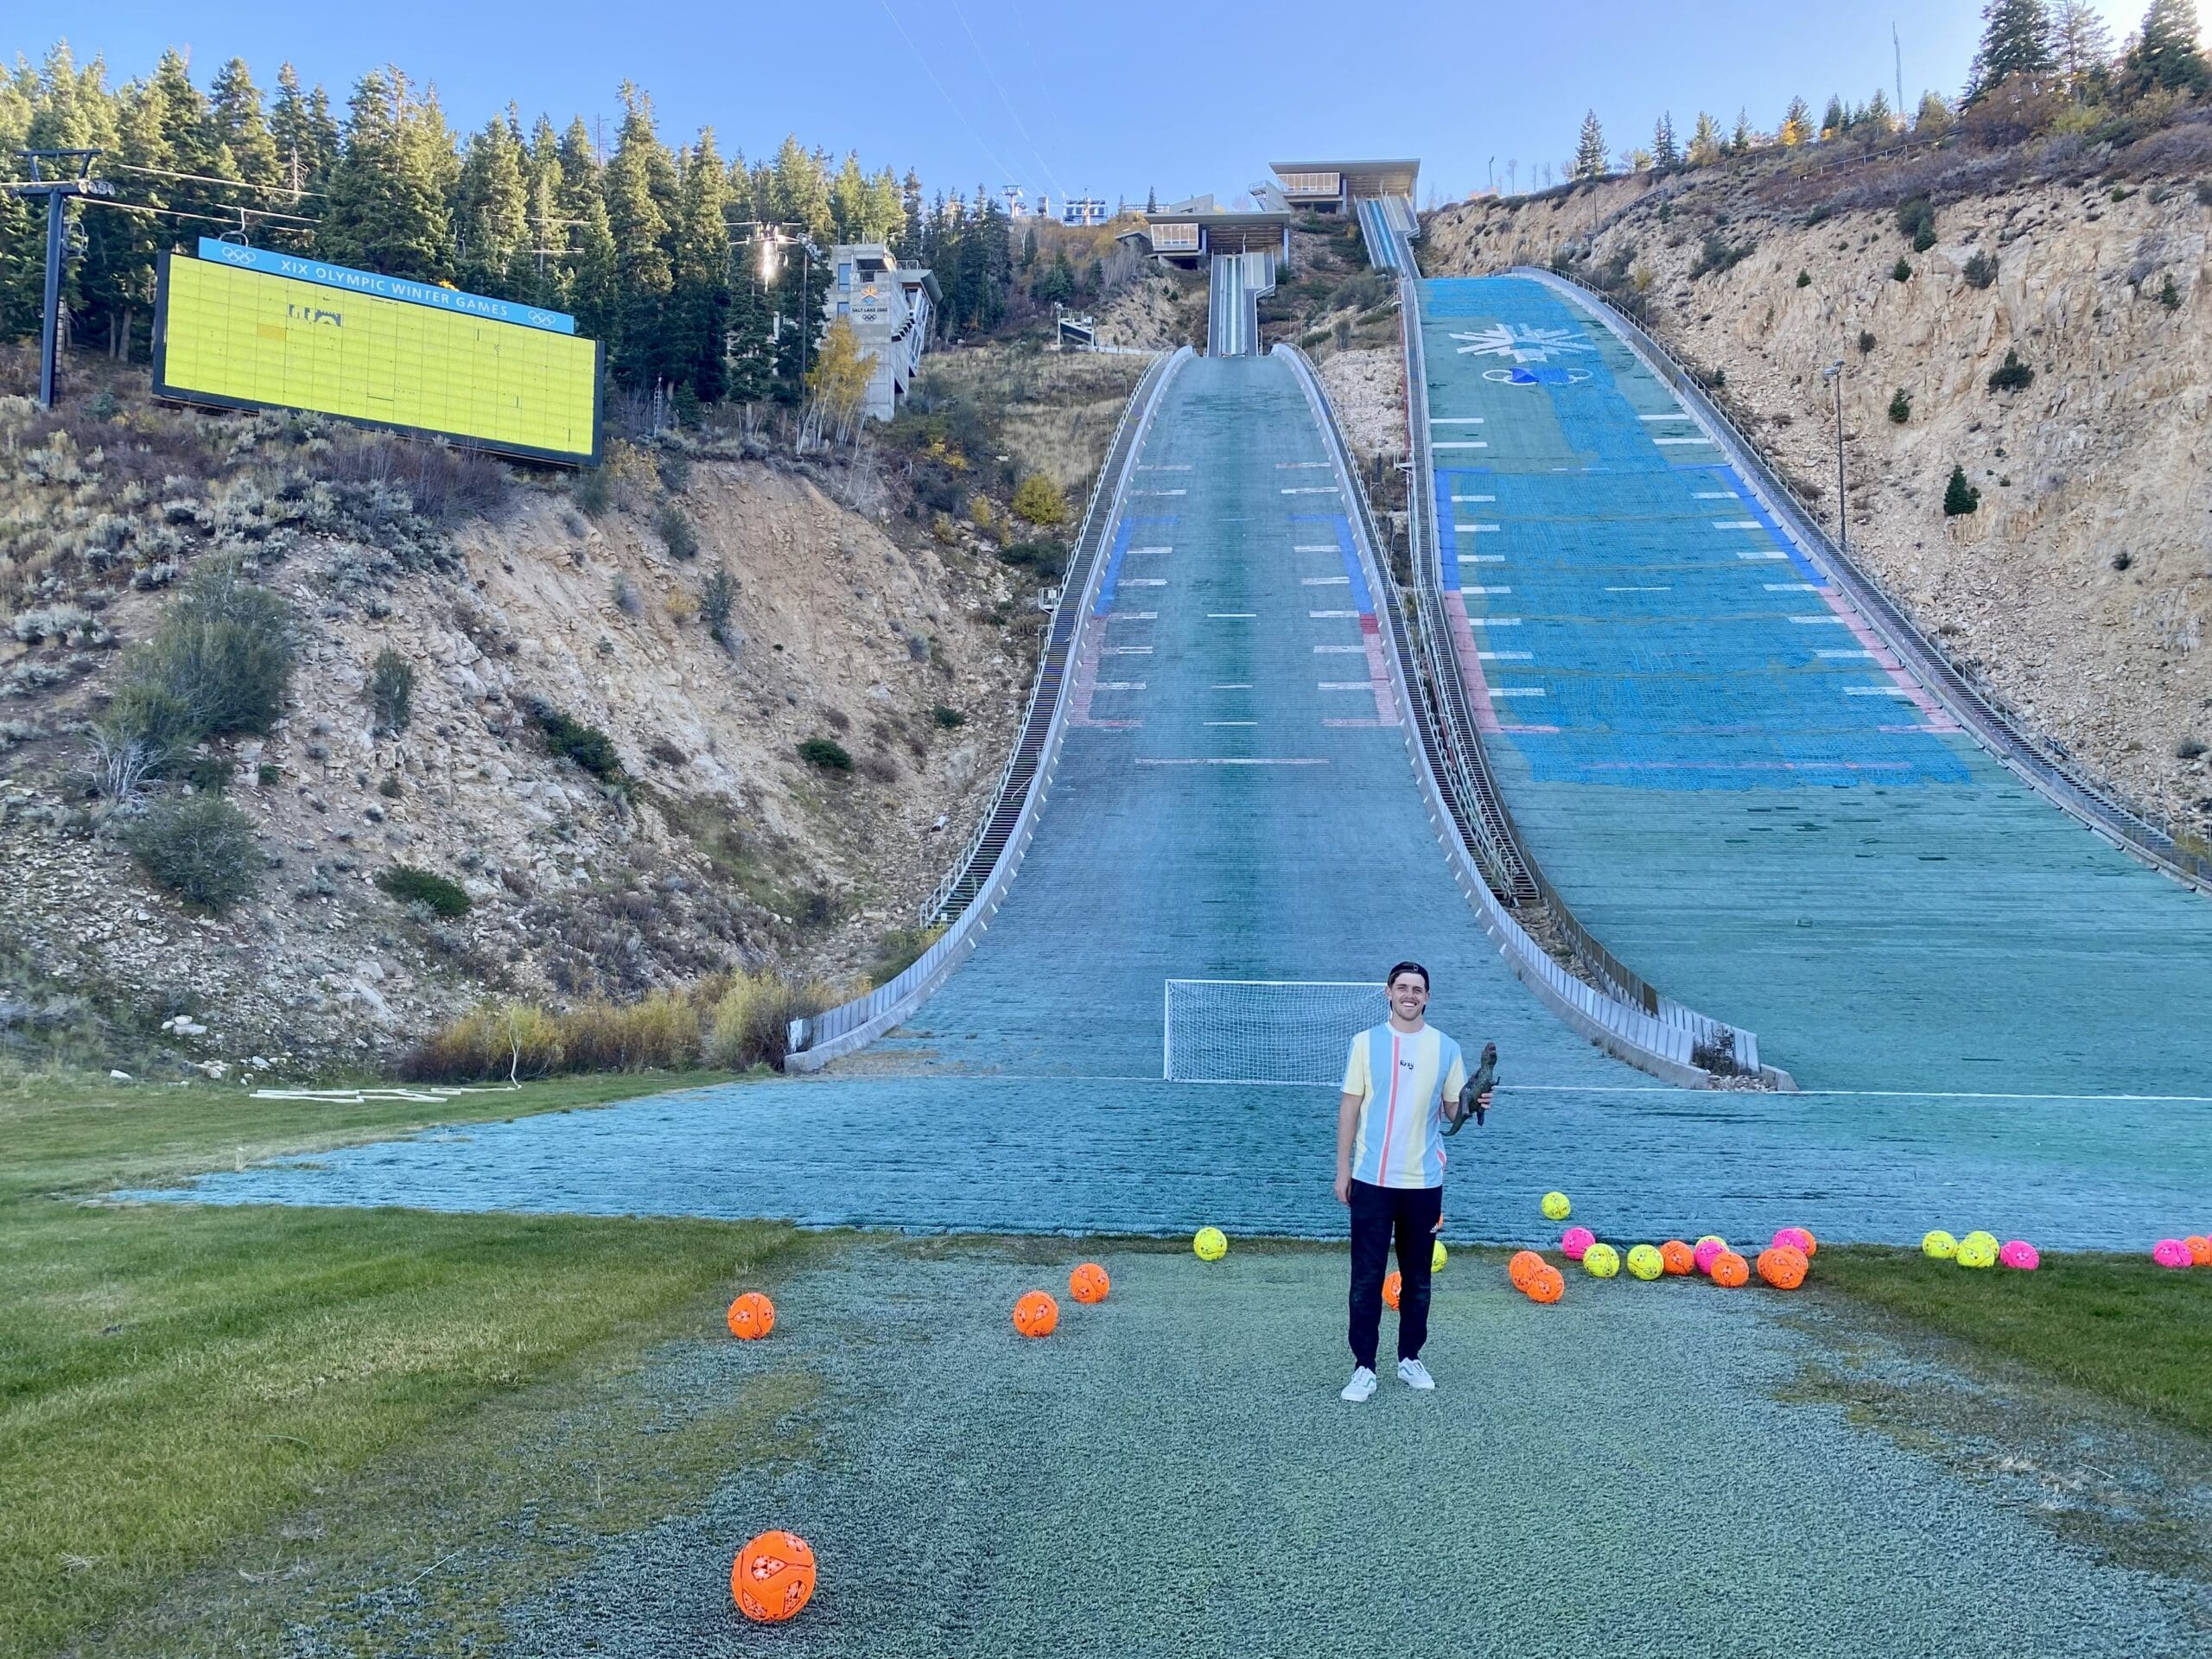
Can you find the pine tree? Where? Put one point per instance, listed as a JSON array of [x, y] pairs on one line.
[[701, 292], [1590, 151], [1876, 117], [239, 126], [588, 281], [2015, 40], [1666, 154], [2081, 46], [798, 190], [2165, 54], [1959, 496], [1933, 119], [492, 218], [386, 207], [640, 230], [300, 127], [1741, 141], [1796, 124], [1705, 143], [1837, 120]]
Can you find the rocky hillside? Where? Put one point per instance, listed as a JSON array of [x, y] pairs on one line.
[[2082, 587], [890, 644]]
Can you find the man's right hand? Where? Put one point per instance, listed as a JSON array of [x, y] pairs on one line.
[[1344, 1186]]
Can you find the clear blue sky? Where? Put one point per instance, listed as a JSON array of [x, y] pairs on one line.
[[1135, 94]]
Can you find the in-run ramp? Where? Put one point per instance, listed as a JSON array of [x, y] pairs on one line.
[[1226, 804], [1733, 782]]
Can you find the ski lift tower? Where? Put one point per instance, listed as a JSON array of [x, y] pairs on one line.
[[72, 171]]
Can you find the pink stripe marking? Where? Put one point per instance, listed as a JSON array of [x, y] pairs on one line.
[[1937, 718], [1471, 661], [1378, 672], [1086, 681]]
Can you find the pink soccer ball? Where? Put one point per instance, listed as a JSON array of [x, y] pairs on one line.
[[1708, 1251], [1794, 1238], [2170, 1253], [2019, 1253], [1575, 1240]]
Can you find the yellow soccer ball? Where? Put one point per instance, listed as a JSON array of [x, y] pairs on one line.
[[1556, 1208], [1977, 1251], [1601, 1260], [1438, 1257], [1939, 1246], [1210, 1244], [1644, 1261]]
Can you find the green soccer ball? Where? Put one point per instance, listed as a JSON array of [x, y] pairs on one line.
[[1601, 1260], [1939, 1246], [1556, 1208], [1210, 1244], [1644, 1261]]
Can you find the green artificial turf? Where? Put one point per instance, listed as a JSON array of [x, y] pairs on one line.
[[2117, 1326], [173, 1378]]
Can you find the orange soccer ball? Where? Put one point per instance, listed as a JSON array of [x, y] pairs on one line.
[[1036, 1314], [1548, 1285], [1782, 1266], [773, 1576], [1677, 1257], [1732, 1270], [752, 1316], [1393, 1286], [1088, 1283], [1524, 1264], [2200, 1251]]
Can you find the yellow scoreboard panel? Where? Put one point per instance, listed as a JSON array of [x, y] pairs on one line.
[[248, 340]]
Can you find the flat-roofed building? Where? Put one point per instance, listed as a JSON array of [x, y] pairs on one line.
[[1333, 187], [889, 307], [1189, 233]]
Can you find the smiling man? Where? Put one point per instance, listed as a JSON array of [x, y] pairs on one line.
[[1390, 1168]]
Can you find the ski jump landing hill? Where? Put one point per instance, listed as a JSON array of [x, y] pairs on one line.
[[1742, 768]]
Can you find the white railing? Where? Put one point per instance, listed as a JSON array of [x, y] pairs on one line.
[[815, 1041]]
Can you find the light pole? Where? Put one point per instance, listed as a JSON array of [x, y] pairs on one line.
[[1834, 373]]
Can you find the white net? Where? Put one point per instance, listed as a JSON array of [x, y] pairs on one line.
[[1265, 1030]]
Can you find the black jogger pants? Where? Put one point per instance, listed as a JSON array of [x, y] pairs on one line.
[[1377, 1213]]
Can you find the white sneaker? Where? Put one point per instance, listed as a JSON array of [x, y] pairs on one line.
[[1361, 1386], [1414, 1375]]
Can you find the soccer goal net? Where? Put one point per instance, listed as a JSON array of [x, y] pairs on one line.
[[1265, 1030]]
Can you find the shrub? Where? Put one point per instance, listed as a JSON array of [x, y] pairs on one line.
[[825, 753], [512, 1040], [389, 786], [659, 1031], [592, 490], [1716, 254], [2169, 295], [2012, 375], [2122, 559], [1047, 559], [751, 1021], [104, 405], [1901, 271], [1804, 279], [1916, 221], [1980, 269], [1959, 496], [717, 600], [676, 531], [587, 746], [1901, 406], [900, 949], [412, 886], [1865, 341], [391, 691], [980, 512], [220, 662], [200, 847], [2189, 748], [948, 718], [675, 472], [266, 774], [1037, 500]]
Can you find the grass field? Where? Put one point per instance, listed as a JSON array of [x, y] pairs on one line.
[[414, 1432], [173, 1379]]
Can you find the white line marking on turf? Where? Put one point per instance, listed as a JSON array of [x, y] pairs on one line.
[[1474, 498], [1840, 655], [1137, 616], [1125, 650], [1231, 616], [1820, 621], [1232, 723], [1493, 621], [1344, 685], [1663, 417], [1158, 492], [1477, 529], [1455, 420], [1717, 495], [1793, 587], [1761, 553], [1144, 581], [1231, 685], [1681, 440], [1326, 581], [1503, 656], [1226, 760], [1294, 465], [1482, 558], [1162, 548], [1329, 613], [1879, 691], [1736, 523], [1164, 466], [1119, 685], [1459, 443], [1485, 590], [1314, 546], [1639, 590], [1309, 489], [1516, 690], [1340, 651]]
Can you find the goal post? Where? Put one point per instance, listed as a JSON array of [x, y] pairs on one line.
[[1264, 1030]]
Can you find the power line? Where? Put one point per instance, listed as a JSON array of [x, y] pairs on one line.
[[1019, 124], [202, 178], [228, 219], [1005, 171]]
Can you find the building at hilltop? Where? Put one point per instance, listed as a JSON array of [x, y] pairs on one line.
[[1333, 187], [1191, 232], [889, 307]]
